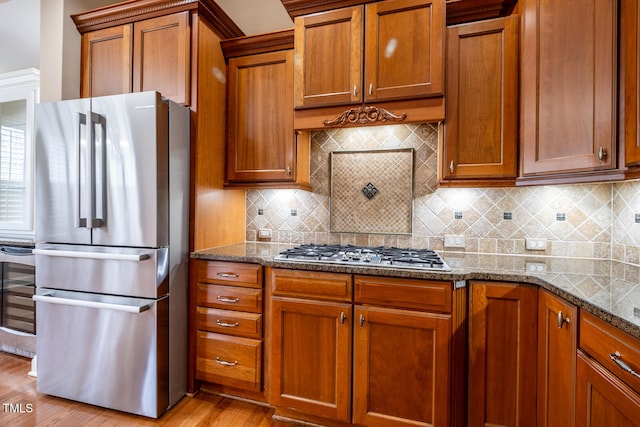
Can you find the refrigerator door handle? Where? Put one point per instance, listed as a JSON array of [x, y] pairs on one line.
[[80, 220], [98, 171], [92, 255], [136, 309]]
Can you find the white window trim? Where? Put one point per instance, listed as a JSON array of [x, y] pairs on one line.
[[15, 86]]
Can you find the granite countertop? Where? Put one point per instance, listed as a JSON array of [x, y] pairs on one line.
[[608, 289]]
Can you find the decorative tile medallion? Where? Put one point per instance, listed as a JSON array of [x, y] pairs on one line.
[[360, 206]]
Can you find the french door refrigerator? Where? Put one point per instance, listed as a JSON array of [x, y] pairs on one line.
[[112, 188]]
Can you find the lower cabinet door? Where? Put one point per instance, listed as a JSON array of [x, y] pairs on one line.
[[227, 360], [311, 357], [401, 368], [602, 399], [502, 354]]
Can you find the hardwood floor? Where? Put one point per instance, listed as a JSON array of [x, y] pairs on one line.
[[21, 405]]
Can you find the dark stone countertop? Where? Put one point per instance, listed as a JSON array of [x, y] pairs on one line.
[[608, 289]]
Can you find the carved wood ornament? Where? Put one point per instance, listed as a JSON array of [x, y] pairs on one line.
[[364, 114]]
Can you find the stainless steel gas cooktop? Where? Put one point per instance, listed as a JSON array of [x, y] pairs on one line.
[[380, 256]]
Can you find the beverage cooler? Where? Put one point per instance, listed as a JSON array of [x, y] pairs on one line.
[[17, 309]]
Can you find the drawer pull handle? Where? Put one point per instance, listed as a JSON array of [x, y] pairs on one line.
[[227, 299], [227, 274], [562, 320], [616, 358], [226, 325], [225, 363]]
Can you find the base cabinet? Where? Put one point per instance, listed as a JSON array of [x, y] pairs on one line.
[[311, 351], [602, 399], [367, 350], [557, 344], [401, 367], [502, 354], [228, 321]]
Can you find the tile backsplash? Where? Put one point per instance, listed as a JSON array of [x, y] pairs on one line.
[[581, 220]]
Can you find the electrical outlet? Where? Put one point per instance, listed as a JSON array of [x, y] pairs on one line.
[[451, 241], [536, 244], [264, 233], [536, 267]]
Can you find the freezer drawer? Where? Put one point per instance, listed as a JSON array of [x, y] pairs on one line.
[[134, 272], [104, 350]]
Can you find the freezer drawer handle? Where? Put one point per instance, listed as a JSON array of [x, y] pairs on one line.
[[92, 255], [91, 304]]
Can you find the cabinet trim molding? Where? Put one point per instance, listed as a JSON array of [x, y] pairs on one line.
[[137, 10], [364, 114]]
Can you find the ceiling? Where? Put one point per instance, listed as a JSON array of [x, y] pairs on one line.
[[20, 26]]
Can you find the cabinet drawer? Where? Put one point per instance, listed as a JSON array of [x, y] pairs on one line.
[[230, 297], [227, 360], [603, 341], [230, 322], [312, 284], [230, 273], [404, 293]]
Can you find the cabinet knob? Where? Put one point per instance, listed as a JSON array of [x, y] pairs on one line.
[[355, 91], [370, 88], [451, 168], [288, 171], [361, 320], [602, 154], [343, 318], [562, 320]]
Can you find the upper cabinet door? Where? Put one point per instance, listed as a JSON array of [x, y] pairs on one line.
[[481, 131], [106, 62], [568, 86], [328, 61], [161, 49], [261, 144], [404, 49]]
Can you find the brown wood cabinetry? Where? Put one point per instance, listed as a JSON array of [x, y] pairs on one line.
[[629, 86], [502, 354], [557, 345], [152, 54], [481, 131], [262, 148], [607, 389], [381, 52], [106, 62], [161, 56], [568, 90], [228, 321], [362, 53], [313, 323], [173, 47], [310, 366], [414, 386]]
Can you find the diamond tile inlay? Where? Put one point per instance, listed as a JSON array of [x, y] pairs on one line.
[[369, 190]]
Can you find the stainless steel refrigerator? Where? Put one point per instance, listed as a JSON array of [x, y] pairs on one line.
[[112, 197]]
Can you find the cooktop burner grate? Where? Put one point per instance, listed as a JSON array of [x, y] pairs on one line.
[[379, 256]]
